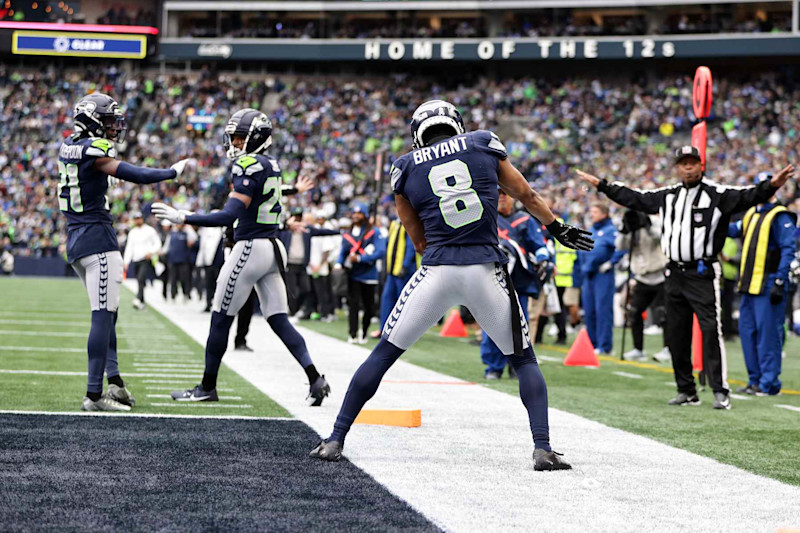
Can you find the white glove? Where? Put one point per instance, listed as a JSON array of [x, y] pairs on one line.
[[112, 182], [167, 212], [605, 267], [179, 167]]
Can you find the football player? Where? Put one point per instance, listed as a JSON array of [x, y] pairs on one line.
[[258, 258], [85, 162], [446, 192]]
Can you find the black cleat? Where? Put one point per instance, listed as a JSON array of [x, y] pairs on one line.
[[544, 460], [318, 391], [197, 394], [685, 399], [328, 451]]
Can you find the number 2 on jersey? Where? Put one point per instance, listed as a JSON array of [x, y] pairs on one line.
[[265, 213], [458, 201], [68, 177]]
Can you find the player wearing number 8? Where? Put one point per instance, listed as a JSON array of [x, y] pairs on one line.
[[446, 192], [258, 258], [85, 161]]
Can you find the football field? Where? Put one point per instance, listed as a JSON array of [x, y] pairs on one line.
[[242, 463]]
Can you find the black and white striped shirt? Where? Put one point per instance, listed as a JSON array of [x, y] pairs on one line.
[[694, 220]]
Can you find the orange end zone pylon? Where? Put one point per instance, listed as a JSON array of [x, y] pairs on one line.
[[404, 418], [582, 352], [697, 346], [454, 326]]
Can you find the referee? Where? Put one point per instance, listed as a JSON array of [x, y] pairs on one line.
[[695, 216]]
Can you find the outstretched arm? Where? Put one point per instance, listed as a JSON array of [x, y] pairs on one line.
[[739, 199], [142, 175], [514, 184], [410, 219], [234, 208], [646, 201]]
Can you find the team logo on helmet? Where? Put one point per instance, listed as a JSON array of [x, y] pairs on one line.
[[253, 127], [431, 113]]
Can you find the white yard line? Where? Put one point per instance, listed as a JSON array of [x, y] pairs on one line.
[[169, 365], [219, 389], [741, 397], [127, 374], [469, 468], [549, 358], [148, 415], [204, 404], [78, 350], [789, 407], [81, 335], [176, 381], [627, 375], [86, 323], [168, 397]]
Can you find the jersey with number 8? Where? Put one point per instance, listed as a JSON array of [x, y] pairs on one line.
[[453, 187], [258, 177]]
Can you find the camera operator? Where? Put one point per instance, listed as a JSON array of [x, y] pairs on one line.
[[641, 236]]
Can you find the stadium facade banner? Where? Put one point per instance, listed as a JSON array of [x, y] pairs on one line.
[[78, 44], [718, 45]]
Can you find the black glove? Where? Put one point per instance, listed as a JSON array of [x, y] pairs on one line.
[[777, 292], [570, 236]]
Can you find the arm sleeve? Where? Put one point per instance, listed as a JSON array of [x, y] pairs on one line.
[[143, 175], [735, 229], [647, 201], [233, 209], [617, 256], [397, 176], [783, 229], [322, 232], [737, 199]]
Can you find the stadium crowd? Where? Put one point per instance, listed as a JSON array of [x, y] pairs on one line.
[[332, 129]]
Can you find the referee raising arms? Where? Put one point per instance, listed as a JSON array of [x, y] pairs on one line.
[[695, 216]]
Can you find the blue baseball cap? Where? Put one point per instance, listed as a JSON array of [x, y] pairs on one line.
[[360, 207], [762, 177]]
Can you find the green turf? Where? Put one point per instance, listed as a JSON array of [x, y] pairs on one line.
[[53, 314], [754, 435]]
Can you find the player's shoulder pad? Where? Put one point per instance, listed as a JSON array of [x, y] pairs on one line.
[[247, 165], [101, 148]]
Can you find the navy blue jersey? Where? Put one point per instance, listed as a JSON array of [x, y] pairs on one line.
[[82, 197], [452, 185], [258, 177]]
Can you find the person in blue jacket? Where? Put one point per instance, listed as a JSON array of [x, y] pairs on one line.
[[400, 264], [769, 247], [520, 236], [597, 274], [362, 246]]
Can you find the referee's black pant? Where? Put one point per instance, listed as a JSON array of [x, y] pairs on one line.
[[688, 292]]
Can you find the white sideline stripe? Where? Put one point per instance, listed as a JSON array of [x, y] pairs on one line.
[[789, 407], [74, 350], [81, 334], [627, 375], [176, 381], [741, 397], [149, 415], [54, 323], [204, 404], [469, 464], [65, 373], [168, 397], [173, 388], [549, 358]]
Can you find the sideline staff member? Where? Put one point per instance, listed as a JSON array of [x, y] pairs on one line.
[[695, 215]]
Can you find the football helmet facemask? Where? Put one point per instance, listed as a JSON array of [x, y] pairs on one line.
[[251, 125], [431, 113], [98, 115]]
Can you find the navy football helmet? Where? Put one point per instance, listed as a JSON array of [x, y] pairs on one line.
[[253, 126], [98, 115], [431, 113]]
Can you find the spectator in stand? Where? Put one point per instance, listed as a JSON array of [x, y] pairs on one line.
[[178, 257], [141, 246], [362, 246], [597, 272]]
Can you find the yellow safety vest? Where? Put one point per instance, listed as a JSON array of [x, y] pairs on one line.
[[396, 248], [565, 262], [755, 230]]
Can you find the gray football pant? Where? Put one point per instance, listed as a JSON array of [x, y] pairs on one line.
[[101, 274], [434, 289], [252, 264]]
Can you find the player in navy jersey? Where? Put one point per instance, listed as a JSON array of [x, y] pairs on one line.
[[258, 258], [446, 193], [85, 161]]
